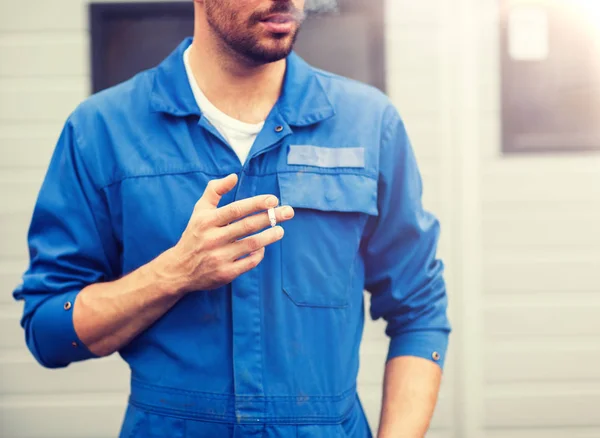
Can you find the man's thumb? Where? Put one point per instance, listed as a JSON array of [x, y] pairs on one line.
[[215, 190]]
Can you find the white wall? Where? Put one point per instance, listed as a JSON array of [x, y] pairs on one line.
[[541, 279], [43, 75], [518, 233]]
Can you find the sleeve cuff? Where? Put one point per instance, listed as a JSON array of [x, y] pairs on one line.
[[56, 343], [431, 345]]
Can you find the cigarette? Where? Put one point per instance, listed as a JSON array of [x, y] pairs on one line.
[[272, 217]]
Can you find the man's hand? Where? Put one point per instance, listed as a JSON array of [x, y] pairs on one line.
[[213, 250], [220, 244]]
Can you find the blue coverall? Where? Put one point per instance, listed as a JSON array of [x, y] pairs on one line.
[[276, 352]]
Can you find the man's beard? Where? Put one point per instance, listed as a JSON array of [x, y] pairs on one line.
[[243, 42]]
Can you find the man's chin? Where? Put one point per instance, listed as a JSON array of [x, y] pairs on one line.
[[270, 54]]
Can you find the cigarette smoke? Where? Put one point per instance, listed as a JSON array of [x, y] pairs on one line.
[[321, 6]]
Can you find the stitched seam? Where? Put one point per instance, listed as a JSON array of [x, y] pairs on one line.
[[216, 396], [210, 415], [78, 152], [158, 174], [337, 171]]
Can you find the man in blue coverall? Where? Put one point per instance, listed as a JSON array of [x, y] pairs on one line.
[[152, 236]]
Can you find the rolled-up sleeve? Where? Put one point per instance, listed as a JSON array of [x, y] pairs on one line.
[[403, 273], [70, 247]]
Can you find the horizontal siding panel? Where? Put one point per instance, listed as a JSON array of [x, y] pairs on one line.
[[26, 152], [46, 55], [532, 276], [10, 277], [563, 299], [19, 196], [8, 283], [99, 415], [13, 336], [536, 360], [542, 179], [563, 229], [571, 432], [543, 210], [42, 15], [22, 147], [542, 405], [25, 376], [545, 166], [39, 106], [563, 319], [57, 15], [541, 255], [13, 235]]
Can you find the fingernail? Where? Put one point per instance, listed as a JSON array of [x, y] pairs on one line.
[[287, 212], [272, 201], [280, 232]]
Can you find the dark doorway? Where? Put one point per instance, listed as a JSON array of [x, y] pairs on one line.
[[127, 38]]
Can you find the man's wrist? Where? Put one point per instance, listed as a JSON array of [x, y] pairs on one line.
[[163, 271]]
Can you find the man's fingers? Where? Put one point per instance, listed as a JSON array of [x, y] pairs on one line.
[[254, 243], [257, 222], [215, 190], [240, 209], [244, 265]]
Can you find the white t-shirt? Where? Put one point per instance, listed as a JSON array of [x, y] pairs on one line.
[[239, 135]]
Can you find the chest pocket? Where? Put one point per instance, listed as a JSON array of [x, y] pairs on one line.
[[321, 243]]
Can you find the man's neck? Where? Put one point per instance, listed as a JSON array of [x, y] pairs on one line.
[[240, 89]]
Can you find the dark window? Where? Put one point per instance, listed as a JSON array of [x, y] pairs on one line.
[[550, 68]]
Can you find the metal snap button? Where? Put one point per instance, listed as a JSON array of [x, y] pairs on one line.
[[67, 305], [435, 356]]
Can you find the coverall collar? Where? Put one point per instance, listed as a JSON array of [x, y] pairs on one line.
[[303, 100]]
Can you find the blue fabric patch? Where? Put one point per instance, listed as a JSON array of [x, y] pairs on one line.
[[326, 157]]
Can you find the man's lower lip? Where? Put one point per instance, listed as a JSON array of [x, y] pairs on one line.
[[275, 27]]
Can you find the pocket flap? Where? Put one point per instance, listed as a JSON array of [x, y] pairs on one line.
[[342, 192]]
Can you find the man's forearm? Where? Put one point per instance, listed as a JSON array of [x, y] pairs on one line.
[[217, 246], [410, 394], [107, 316]]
